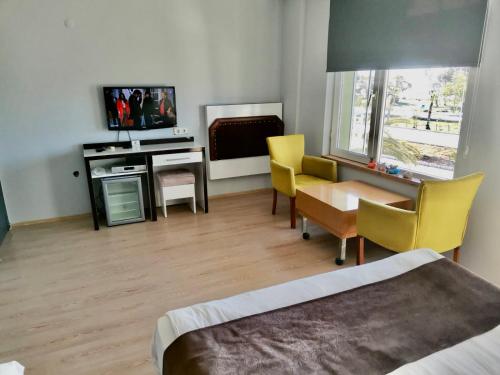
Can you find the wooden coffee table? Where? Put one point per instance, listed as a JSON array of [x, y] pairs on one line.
[[334, 207]]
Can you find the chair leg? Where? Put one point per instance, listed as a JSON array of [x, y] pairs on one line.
[[456, 254], [292, 213], [360, 259], [275, 199]]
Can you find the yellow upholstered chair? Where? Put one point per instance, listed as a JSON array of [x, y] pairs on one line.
[[438, 222], [291, 169]]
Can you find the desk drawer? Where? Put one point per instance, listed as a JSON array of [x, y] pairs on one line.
[[180, 158]]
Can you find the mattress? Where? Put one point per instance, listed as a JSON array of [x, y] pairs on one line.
[[479, 354]]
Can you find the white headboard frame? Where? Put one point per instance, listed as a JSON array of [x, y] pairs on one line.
[[243, 110], [219, 169]]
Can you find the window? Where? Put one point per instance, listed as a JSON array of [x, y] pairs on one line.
[[356, 111], [408, 117]]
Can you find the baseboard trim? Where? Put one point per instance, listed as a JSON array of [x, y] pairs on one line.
[[49, 220], [81, 216], [238, 193]]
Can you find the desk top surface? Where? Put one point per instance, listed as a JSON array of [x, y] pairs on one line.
[[344, 196], [159, 147]]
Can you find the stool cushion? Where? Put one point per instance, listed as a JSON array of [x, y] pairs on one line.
[[175, 177]]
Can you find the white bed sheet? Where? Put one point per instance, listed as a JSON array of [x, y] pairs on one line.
[[180, 321], [479, 355]]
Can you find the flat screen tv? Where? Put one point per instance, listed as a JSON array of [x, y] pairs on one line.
[[140, 108]]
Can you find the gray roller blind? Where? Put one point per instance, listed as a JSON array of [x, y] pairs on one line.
[[387, 34]]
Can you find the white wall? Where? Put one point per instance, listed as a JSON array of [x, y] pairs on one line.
[[291, 71], [313, 86], [305, 36], [214, 52], [480, 252]]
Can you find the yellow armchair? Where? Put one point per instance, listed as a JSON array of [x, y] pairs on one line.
[[292, 169], [283, 179], [319, 167], [438, 222]]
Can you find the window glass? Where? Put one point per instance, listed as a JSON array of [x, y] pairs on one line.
[[355, 112], [422, 119]]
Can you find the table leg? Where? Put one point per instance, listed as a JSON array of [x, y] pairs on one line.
[[305, 234], [205, 190], [151, 185], [93, 205], [343, 245]]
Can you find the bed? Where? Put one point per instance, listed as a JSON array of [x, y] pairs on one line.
[[412, 313]]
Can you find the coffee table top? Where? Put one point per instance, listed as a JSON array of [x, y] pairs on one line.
[[344, 196]]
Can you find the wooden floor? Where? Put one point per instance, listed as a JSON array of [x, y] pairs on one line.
[[75, 301]]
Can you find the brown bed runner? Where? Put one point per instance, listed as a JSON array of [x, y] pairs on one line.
[[373, 329]]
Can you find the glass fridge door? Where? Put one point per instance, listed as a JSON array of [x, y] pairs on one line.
[[123, 197]]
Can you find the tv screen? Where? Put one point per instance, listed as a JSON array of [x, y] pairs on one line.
[[140, 108]]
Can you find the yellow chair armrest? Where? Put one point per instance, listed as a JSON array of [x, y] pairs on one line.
[[283, 178], [390, 227], [320, 167]]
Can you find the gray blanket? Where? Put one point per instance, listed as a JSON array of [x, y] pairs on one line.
[[373, 329]]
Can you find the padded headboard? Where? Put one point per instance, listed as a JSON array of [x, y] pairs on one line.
[[237, 138], [242, 137]]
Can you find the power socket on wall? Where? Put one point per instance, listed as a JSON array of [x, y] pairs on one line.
[[179, 131]]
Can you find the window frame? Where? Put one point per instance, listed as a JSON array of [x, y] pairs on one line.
[[375, 137]]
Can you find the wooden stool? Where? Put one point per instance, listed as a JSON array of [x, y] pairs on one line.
[[176, 184]]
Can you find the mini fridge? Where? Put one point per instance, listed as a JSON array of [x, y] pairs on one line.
[[123, 200]]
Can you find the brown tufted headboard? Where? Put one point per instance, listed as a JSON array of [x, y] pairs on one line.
[[241, 137]]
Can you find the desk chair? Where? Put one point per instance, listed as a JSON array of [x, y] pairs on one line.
[[439, 221], [292, 169]]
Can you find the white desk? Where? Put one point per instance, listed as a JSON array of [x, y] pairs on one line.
[[155, 153], [147, 148]]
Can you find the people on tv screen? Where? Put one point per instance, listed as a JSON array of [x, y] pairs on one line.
[[140, 108]]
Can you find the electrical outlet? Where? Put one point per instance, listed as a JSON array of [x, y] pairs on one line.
[[178, 131]]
